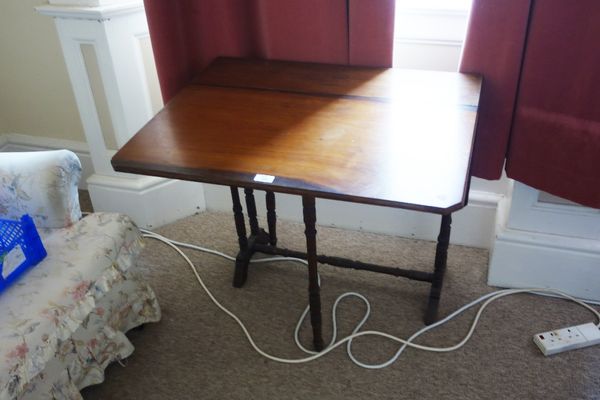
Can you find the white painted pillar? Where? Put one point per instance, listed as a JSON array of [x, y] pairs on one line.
[[105, 36], [545, 241]]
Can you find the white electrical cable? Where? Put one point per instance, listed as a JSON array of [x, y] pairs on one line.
[[488, 298]]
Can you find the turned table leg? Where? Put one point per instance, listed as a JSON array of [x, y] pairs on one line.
[[441, 254], [310, 218], [243, 258], [271, 218], [251, 207]]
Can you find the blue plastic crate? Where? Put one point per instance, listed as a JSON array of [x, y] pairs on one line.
[[20, 248]]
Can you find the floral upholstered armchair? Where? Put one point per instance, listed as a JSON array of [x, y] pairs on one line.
[[64, 320]]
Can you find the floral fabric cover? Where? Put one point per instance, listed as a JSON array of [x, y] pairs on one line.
[[42, 184], [63, 322]]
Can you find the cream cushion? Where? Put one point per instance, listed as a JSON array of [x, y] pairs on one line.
[[42, 184]]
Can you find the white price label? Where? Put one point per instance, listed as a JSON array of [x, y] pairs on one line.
[[12, 260], [264, 178]]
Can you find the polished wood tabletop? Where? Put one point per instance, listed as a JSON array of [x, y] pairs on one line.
[[384, 136]]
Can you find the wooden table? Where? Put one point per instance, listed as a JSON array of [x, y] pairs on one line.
[[382, 136]]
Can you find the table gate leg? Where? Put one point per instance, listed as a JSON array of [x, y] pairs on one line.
[[243, 258], [310, 218], [271, 218], [251, 207], [441, 254]]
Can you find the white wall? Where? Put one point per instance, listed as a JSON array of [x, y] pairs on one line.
[[428, 38], [35, 94], [472, 226]]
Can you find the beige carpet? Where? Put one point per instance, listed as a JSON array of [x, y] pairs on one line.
[[197, 352]]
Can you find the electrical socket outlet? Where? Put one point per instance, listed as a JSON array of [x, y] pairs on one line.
[[571, 338]]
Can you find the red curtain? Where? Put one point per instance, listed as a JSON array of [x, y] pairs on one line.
[[540, 107], [188, 34], [494, 48], [371, 32]]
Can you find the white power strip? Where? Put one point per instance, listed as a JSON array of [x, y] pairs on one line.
[[571, 338]]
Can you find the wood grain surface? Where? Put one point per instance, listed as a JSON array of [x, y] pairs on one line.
[[380, 136]]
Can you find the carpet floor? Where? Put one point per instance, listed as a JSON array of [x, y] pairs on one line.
[[198, 352]]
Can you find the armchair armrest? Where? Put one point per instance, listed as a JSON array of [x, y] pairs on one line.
[[42, 184]]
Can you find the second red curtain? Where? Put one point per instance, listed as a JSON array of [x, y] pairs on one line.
[[540, 105], [188, 34]]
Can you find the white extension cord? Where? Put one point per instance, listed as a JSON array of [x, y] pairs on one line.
[[487, 299]]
